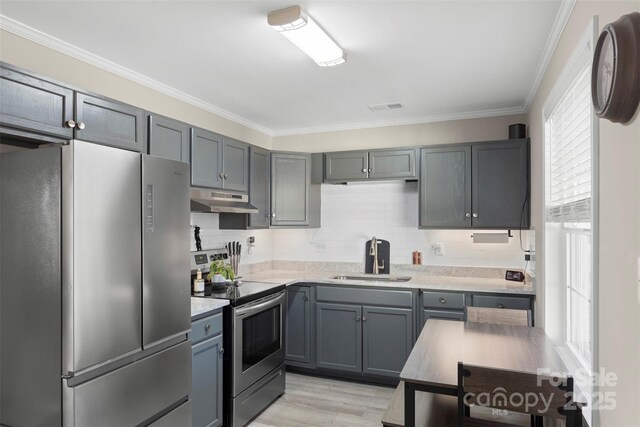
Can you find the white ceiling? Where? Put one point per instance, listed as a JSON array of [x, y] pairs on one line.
[[442, 59]]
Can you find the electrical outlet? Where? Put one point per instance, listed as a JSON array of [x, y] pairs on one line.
[[438, 249], [252, 240]]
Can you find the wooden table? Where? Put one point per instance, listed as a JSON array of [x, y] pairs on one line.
[[432, 365]]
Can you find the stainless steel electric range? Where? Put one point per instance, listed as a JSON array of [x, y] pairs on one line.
[[253, 338]]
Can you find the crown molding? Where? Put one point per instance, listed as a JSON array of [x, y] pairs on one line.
[[480, 114], [566, 7], [37, 36]]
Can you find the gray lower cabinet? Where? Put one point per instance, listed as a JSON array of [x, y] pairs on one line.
[[339, 337], [441, 305], [387, 339], [168, 138], [376, 164], [479, 185], [290, 186], [207, 352], [31, 104], [109, 122], [299, 328]]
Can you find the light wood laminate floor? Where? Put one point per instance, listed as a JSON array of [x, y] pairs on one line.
[[314, 401]]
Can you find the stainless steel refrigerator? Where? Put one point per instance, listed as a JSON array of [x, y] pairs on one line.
[[94, 312]]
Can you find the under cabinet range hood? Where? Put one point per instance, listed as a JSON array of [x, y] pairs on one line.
[[204, 200]]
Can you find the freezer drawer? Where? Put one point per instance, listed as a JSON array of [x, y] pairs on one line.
[[132, 394], [181, 416]]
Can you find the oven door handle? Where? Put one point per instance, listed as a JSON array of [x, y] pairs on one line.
[[250, 309]]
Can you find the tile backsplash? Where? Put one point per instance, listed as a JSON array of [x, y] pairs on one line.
[[351, 215]]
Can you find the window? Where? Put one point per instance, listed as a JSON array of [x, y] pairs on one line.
[[570, 229], [568, 202]]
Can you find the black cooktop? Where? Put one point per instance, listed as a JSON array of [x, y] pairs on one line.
[[241, 293]]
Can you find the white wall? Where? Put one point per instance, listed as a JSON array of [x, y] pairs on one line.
[[618, 301], [352, 214]]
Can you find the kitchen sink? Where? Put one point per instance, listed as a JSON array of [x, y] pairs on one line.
[[375, 278]]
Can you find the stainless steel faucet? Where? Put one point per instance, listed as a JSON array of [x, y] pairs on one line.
[[373, 251]]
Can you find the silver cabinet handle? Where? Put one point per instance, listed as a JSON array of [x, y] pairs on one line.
[[80, 125], [443, 300], [273, 215], [468, 215], [475, 215], [364, 170], [357, 318], [70, 124], [221, 351], [306, 298], [364, 318], [207, 327], [370, 170], [225, 176], [221, 175], [500, 305]]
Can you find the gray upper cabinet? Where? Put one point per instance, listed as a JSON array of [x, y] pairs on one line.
[[387, 339], [219, 162], [259, 186], [235, 165], [168, 138], [28, 103], [109, 122], [377, 164], [206, 159], [290, 184], [339, 337], [299, 329], [346, 166], [445, 187], [500, 184], [392, 164], [479, 185]]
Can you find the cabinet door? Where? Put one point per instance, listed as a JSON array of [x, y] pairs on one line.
[[441, 314], [346, 166], [387, 339], [392, 164], [32, 104], [339, 337], [109, 122], [206, 395], [169, 138], [298, 324], [501, 184], [445, 187], [259, 186], [206, 159], [290, 181], [235, 167]]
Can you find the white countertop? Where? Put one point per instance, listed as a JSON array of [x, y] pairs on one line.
[[418, 281], [202, 305]]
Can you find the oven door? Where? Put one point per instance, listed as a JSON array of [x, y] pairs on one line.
[[258, 345]]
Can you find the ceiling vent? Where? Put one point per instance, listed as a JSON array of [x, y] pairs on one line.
[[383, 107]]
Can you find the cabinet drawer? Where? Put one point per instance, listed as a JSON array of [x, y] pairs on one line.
[[516, 303], [443, 300], [206, 328], [351, 295]]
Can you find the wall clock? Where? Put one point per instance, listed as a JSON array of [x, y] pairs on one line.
[[615, 76]]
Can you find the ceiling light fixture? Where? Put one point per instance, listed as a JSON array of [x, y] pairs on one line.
[[298, 27]]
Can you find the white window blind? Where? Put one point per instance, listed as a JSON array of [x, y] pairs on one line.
[[568, 133]]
